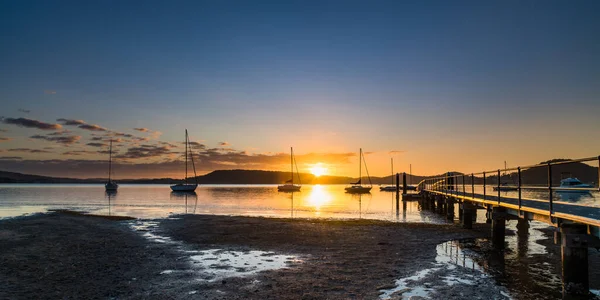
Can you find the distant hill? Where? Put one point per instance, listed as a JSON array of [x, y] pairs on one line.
[[215, 177]]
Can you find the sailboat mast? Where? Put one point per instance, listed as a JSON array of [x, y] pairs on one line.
[[392, 162], [360, 167], [292, 163], [186, 155], [110, 160]]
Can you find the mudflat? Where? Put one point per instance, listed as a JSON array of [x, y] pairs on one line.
[[69, 255]]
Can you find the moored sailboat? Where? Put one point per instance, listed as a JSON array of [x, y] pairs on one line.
[[187, 187], [357, 187], [289, 185], [110, 185], [389, 188]]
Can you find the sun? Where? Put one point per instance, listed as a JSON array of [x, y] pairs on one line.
[[318, 170]]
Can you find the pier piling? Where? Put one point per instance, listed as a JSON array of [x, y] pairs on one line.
[[498, 227], [574, 256], [450, 209], [468, 210]]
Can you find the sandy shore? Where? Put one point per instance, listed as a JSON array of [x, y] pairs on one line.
[[65, 255]]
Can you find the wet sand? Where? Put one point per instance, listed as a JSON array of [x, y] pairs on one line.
[[68, 255], [61, 255]]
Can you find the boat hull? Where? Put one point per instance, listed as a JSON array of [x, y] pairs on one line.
[[357, 189], [506, 188], [184, 187], [388, 188], [289, 188], [111, 186]]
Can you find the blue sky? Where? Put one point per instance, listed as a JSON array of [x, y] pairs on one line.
[[445, 82]]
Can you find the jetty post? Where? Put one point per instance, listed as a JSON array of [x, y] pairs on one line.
[[498, 227], [468, 210], [574, 255], [404, 183]]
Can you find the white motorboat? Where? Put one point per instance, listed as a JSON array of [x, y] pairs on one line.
[[392, 187], [357, 187], [289, 185], [573, 185], [187, 187], [110, 184]]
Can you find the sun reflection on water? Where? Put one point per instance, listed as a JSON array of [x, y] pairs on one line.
[[318, 197]]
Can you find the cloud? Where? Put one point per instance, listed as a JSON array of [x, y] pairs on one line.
[[24, 110], [145, 151], [92, 127], [224, 144], [156, 134], [28, 150], [81, 124], [49, 92], [396, 152], [196, 145], [10, 158], [58, 133], [71, 122], [4, 139], [79, 152], [141, 139], [67, 140], [97, 144], [29, 123], [127, 135], [160, 165], [142, 129], [3, 130]]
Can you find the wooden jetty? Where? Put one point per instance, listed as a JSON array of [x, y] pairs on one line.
[[577, 225]]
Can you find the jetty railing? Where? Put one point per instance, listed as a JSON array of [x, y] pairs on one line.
[[463, 186]]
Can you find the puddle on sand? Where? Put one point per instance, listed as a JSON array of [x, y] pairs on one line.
[[453, 275], [218, 263], [215, 264]]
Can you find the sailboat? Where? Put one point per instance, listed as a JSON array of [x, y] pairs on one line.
[[110, 185], [389, 188], [289, 185], [504, 186], [187, 187], [357, 187]]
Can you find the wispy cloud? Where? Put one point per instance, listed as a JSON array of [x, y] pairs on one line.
[[92, 127], [4, 139], [24, 110], [28, 150], [79, 152], [142, 129], [224, 144], [81, 124], [145, 151], [70, 122], [97, 145], [11, 157], [393, 152], [196, 145], [29, 123], [49, 92], [67, 140]]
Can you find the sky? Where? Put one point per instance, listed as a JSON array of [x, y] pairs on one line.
[[439, 85]]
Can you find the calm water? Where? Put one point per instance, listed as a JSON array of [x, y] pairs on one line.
[[156, 201]]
